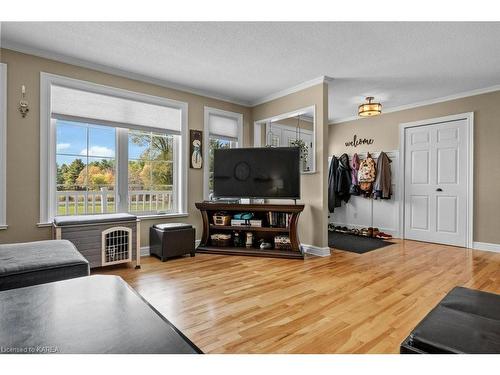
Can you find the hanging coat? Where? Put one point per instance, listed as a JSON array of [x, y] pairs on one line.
[[333, 201], [344, 179], [354, 175], [382, 187]]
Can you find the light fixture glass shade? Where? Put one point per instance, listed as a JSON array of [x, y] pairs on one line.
[[369, 109]]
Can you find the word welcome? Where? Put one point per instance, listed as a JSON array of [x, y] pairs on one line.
[[361, 141]]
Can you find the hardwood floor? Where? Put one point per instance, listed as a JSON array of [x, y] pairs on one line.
[[345, 303]]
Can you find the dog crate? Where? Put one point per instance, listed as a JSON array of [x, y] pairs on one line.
[[116, 245], [103, 240]]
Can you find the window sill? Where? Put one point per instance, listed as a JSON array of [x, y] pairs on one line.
[[3, 227], [44, 225]]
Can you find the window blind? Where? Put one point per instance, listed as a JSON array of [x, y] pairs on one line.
[[72, 103], [225, 127]]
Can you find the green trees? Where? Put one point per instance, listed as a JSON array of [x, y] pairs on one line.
[[67, 175], [77, 176]]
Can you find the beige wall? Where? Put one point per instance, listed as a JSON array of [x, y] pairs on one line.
[[23, 140], [313, 222], [385, 130]]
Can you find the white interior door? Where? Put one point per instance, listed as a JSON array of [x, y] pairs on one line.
[[436, 183]]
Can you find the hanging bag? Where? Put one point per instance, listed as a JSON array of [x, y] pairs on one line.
[[366, 174]]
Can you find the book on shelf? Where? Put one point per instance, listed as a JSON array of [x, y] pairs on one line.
[[246, 223], [278, 219]]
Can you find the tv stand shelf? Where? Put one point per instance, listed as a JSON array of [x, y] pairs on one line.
[[266, 232], [248, 228]]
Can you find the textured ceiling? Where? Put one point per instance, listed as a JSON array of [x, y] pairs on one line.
[[398, 63]]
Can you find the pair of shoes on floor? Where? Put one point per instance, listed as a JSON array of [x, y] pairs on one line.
[[366, 232], [383, 236], [343, 230]]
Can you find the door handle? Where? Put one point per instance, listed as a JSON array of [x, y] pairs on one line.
[[439, 189]]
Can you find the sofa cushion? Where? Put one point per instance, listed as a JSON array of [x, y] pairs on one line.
[[61, 221], [31, 263]]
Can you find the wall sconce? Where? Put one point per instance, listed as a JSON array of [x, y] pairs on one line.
[[23, 103]]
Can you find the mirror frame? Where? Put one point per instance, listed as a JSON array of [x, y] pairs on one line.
[[261, 125]]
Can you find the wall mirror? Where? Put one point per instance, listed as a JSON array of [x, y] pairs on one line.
[[292, 129]]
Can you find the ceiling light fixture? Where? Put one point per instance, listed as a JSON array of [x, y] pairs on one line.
[[369, 109]]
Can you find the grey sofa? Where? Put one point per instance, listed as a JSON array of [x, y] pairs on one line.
[[32, 263]]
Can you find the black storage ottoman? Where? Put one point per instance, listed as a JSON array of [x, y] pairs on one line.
[[171, 240], [465, 321]]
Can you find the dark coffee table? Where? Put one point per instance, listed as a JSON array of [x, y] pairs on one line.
[[94, 314]]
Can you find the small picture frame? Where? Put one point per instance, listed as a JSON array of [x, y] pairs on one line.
[[196, 149]]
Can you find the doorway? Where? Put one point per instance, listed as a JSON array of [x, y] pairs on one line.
[[437, 180]]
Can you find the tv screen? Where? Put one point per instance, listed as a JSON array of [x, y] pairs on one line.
[[257, 173]]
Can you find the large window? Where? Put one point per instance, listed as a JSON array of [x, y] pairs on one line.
[[109, 150], [223, 129]]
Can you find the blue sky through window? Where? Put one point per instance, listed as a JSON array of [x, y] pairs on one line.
[[73, 138]]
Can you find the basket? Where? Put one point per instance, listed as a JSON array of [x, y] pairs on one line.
[[283, 246], [221, 240], [222, 219], [282, 243]]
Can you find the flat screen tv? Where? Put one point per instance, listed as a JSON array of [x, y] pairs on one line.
[[272, 173]]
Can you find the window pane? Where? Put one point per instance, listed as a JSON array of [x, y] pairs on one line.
[[101, 141], [151, 172], [85, 185], [71, 138]]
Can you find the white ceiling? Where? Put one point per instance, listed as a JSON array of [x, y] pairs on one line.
[[398, 63]]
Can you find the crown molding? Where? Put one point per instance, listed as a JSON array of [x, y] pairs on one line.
[[293, 89], [118, 72], [461, 95]]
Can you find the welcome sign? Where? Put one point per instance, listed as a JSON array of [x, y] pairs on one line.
[[359, 141]]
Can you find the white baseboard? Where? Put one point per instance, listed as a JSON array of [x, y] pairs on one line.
[[316, 250], [145, 249], [486, 246]]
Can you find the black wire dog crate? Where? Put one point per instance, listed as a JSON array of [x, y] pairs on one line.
[[103, 239]]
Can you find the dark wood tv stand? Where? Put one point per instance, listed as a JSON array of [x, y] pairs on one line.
[[208, 209]]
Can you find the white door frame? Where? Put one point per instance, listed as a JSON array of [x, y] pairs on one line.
[[469, 116]]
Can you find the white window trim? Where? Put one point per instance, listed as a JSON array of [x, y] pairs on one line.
[[214, 111], [3, 146], [48, 137]]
